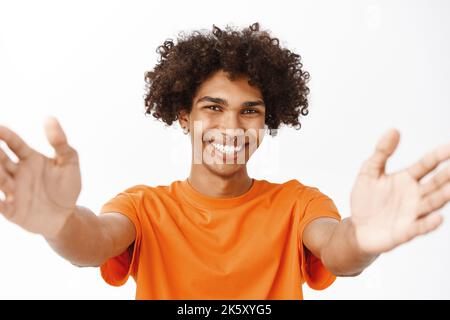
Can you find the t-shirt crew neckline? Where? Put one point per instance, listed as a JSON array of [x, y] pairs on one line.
[[201, 200]]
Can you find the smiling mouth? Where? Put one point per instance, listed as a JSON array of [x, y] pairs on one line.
[[227, 149]]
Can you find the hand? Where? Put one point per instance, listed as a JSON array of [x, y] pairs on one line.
[[40, 192], [391, 209]]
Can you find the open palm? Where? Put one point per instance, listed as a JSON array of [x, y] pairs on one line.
[[40, 192], [391, 209]]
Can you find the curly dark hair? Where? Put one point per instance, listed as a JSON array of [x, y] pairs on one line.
[[182, 67]]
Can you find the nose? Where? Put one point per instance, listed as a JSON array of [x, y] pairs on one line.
[[231, 127], [230, 120]]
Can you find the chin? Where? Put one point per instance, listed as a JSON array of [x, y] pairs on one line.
[[225, 170]]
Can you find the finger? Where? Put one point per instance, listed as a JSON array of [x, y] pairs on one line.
[[435, 200], [375, 165], [58, 140], [6, 181], [10, 166], [438, 180], [429, 162], [15, 143], [6, 209], [427, 224], [2, 207]]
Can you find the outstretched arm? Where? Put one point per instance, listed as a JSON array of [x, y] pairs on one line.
[[336, 245], [41, 194], [88, 240], [387, 210]]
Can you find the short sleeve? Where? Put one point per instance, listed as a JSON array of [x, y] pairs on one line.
[[318, 205], [116, 271]]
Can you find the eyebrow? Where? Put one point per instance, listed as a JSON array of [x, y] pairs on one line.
[[225, 102]]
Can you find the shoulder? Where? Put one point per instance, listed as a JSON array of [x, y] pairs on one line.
[[293, 185], [143, 191], [295, 189], [287, 185], [155, 188]]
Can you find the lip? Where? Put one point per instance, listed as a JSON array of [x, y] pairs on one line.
[[232, 156]]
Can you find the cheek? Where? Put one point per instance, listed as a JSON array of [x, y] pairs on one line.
[[200, 119], [198, 128], [257, 130]]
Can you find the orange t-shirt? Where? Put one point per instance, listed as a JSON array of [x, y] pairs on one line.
[[192, 246]]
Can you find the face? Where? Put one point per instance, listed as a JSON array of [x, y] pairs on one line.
[[226, 123]]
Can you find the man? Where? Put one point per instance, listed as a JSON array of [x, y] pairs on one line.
[[220, 234]]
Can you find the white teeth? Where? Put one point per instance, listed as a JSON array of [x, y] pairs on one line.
[[227, 149]]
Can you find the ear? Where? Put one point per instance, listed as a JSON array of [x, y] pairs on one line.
[[183, 118]]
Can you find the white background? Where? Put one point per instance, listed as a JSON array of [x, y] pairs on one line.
[[373, 64]]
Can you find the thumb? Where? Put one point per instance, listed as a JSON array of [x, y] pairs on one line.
[[386, 145], [57, 138]]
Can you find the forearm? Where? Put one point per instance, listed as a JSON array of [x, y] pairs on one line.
[[83, 240], [342, 255]]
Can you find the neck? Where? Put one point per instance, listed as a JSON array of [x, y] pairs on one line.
[[214, 185]]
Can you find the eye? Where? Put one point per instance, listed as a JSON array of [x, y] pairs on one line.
[[213, 108], [249, 111]]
